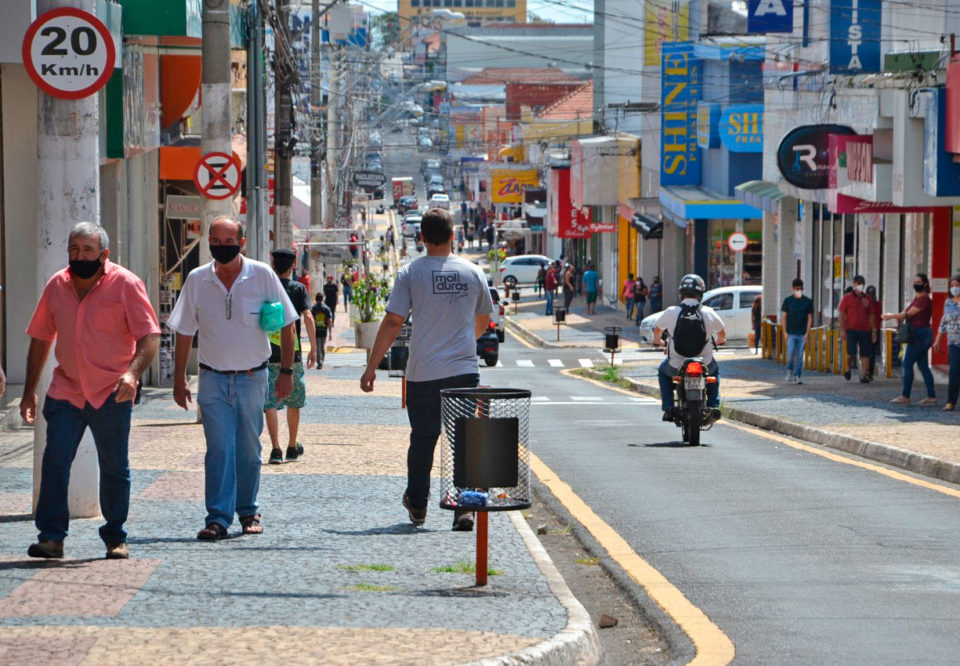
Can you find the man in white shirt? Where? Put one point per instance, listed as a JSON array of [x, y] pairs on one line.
[[450, 303], [222, 301], [691, 292]]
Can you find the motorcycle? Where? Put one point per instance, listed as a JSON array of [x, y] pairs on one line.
[[690, 412]]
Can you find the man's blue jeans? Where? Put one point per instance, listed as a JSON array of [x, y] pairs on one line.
[[630, 304], [232, 408], [110, 426], [666, 373], [916, 352], [423, 411], [795, 347], [549, 310]]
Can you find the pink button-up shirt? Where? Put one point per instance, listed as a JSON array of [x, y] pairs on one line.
[[96, 337]]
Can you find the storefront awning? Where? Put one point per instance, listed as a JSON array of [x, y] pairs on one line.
[[760, 193], [696, 203]]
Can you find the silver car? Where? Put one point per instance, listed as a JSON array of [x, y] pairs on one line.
[[732, 304]]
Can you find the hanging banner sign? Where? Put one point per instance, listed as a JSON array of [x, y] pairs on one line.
[[769, 16], [804, 155], [855, 36], [680, 94], [508, 184], [217, 175], [69, 53], [741, 128]]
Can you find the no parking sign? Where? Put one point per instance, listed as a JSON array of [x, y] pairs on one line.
[[217, 175], [69, 53]]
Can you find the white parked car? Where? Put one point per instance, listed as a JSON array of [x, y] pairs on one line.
[[439, 201], [733, 304], [522, 269], [411, 225]]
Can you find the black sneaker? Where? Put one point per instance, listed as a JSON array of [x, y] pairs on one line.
[[463, 522], [417, 516], [294, 453], [276, 457], [846, 375], [668, 415]]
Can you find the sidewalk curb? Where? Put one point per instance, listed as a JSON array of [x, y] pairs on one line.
[[534, 339], [577, 642], [917, 463]]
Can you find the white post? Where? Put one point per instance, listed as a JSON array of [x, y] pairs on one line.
[[68, 187]]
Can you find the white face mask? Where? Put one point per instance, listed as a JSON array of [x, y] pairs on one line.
[[955, 291], [858, 288], [798, 292]]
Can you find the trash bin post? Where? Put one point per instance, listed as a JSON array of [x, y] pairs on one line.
[[516, 299], [611, 341], [559, 317]]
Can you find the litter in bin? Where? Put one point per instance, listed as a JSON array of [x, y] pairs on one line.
[[473, 498]]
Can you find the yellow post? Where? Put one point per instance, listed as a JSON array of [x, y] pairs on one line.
[[888, 350]]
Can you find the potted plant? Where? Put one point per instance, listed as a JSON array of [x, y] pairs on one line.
[[369, 298]]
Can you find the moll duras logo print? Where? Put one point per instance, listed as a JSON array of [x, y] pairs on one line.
[[447, 283]]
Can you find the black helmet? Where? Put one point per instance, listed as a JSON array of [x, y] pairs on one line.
[[691, 286]]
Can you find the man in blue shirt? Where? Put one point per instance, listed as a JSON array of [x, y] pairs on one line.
[[796, 316], [591, 280]]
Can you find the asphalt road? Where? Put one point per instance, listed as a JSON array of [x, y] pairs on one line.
[[795, 557]]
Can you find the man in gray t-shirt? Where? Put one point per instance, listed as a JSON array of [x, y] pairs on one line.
[[450, 305]]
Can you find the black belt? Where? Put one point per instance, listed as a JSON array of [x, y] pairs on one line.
[[204, 366]]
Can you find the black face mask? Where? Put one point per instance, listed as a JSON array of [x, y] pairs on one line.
[[85, 268], [918, 288], [224, 254]]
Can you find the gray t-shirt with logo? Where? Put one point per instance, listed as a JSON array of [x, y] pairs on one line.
[[444, 294]]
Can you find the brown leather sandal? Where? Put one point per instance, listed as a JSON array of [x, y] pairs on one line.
[[212, 532], [251, 524]]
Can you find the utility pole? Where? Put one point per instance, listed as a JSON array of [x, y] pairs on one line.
[[215, 93], [316, 158], [333, 140], [68, 185], [256, 144], [284, 75]]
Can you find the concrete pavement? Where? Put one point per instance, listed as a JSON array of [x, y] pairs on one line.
[[825, 409]]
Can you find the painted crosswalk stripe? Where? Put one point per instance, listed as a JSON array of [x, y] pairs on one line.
[[499, 364], [524, 363], [586, 398], [585, 362], [555, 363], [540, 398]]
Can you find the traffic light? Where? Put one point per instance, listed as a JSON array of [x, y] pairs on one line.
[[648, 227]]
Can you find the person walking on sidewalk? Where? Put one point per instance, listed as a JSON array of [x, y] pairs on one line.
[[656, 295], [222, 302], [640, 292], [796, 317], [106, 335], [591, 284], [858, 327], [950, 326], [569, 287], [918, 314], [627, 294], [346, 281], [322, 321], [283, 265], [330, 293], [449, 301], [756, 322], [550, 288]]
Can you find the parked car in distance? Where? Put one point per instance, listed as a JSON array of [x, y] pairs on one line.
[[411, 225], [488, 345], [498, 315], [733, 304], [522, 269], [429, 165], [406, 203], [439, 201]]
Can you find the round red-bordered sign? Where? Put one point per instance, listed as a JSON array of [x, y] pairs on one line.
[[217, 175], [737, 241], [69, 53]]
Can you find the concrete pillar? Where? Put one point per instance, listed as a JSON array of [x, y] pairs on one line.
[[771, 263], [868, 251], [68, 185], [807, 250], [787, 261], [672, 261], [215, 93], [890, 290]]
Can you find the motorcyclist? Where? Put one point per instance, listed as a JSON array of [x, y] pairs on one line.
[[691, 293]]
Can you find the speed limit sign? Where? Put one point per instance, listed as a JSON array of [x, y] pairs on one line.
[[69, 53]]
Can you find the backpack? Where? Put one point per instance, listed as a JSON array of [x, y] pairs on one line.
[[690, 333]]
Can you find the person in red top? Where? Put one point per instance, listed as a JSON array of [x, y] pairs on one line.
[[858, 326], [918, 313], [107, 334]]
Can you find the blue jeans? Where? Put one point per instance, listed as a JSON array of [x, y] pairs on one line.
[[630, 304], [666, 374], [110, 426], [953, 388], [232, 408], [549, 310], [795, 345], [916, 352], [639, 317], [423, 411]]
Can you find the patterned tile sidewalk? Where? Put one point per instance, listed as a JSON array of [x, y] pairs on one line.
[[339, 576]]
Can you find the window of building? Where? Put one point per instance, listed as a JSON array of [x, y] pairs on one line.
[[458, 3], [414, 3], [511, 3]]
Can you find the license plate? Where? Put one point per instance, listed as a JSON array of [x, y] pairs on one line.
[[693, 383]]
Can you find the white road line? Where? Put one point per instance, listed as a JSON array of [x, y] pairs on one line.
[[555, 363], [524, 363], [585, 362], [540, 398], [586, 398], [499, 364]]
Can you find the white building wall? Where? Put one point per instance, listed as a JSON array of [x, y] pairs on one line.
[[569, 52]]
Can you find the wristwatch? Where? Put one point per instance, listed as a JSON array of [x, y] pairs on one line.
[[286, 371]]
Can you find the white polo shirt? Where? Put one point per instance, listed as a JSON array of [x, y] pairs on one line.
[[711, 321], [236, 342]]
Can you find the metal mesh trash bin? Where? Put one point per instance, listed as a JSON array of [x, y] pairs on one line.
[[484, 461], [397, 356]]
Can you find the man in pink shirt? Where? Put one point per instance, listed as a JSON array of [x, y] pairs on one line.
[[107, 334]]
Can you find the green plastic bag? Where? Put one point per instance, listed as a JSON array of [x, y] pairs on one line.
[[271, 317]]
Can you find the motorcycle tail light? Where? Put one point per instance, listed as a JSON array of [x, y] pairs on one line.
[[676, 380], [492, 324], [711, 380], [695, 369]]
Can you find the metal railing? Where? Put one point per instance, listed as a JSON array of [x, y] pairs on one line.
[[825, 349]]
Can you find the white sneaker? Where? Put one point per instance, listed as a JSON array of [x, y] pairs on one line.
[[797, 380], [788, 378]]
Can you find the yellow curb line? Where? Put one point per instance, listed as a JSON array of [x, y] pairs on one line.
[[711, 644], [879, 469]]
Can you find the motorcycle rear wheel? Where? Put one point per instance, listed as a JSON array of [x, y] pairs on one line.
[[693, 415]]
